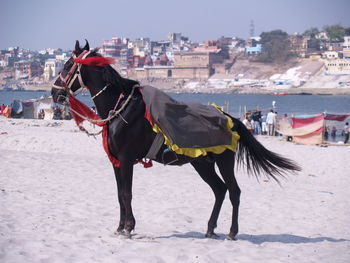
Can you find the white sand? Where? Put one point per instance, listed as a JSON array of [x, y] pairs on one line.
[[58, 203]]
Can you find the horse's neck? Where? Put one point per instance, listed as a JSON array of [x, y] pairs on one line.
[[105, 102], [108, 99]]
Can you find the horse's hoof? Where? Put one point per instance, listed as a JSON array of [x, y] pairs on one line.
[[124, 235], [119, 232], [211, 235], [127, 234], [231, 237]]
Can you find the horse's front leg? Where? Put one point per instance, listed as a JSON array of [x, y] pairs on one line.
[[122, 214], [126, 175]]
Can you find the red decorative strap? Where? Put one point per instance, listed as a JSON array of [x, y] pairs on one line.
[[115, 162], [82, 110], [95, 61], [85, 111], [146, 164]]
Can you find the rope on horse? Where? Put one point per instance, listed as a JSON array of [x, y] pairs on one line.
[[112, 113]]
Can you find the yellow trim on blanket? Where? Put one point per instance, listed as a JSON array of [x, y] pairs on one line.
[[196, 152]]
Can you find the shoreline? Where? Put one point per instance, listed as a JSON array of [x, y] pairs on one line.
[[249, 90]]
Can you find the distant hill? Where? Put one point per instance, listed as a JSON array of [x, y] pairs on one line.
[[244, 67]]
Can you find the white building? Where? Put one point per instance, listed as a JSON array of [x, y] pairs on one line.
[[346, 43], [52, 68], [346, 47], [3, 63]]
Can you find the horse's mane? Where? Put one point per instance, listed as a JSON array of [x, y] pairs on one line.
[[111, 76]]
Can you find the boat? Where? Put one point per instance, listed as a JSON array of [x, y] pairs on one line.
[[280, 93], [305, 93]]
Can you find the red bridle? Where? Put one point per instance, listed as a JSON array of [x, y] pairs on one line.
[[73, 73]]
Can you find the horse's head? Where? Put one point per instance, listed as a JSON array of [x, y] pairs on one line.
[[88, 69], [68, 79]]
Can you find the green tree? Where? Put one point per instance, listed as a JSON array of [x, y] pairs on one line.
[[347, 31], [275, 46], [311, 32], [335, 33], [314, 44]]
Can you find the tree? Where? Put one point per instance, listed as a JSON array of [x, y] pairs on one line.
[[314, 44], [275, 46], [335, 33], [347, 31], [311, 32]]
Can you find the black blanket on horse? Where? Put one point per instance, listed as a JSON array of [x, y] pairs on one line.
[[188, 125]]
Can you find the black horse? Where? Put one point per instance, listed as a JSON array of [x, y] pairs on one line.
[[130, 137]]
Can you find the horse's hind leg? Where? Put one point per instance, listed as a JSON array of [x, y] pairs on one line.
[[225, 163], [207, 172], [122, 213]]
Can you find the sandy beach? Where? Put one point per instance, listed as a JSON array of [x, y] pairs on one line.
[[58, 203]]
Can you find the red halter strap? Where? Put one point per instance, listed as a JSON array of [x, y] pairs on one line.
[[73, 73]]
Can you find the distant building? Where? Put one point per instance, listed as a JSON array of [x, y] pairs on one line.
[[4, 55], [346, 53], [338, 66], [3, 63], [228, 45], [160, 47], [298, 45], [322, 36], [113, 47], [126, 58], [52, 68], [251, 51], [175, 37], [138, 62], [346, 47], [187, 65], [346, 43], [140, 46], [162, 60], [330, 55], [62, 57], [27, 69]]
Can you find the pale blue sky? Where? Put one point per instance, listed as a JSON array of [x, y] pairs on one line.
[[37, 24]]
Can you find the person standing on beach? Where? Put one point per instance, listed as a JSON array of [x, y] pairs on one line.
[[334, 133], [346, 132], [264, 129], [270, 121], [326, 133], [247, 124]]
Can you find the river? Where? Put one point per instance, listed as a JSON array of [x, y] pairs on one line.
[[236, 103]]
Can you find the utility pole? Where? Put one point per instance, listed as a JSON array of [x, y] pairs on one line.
[[252, 28]]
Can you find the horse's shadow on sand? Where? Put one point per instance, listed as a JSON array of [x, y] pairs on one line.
[[260, 239], [286, 239]]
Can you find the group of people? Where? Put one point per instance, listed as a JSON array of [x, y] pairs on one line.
[[333, 133], [61, 113], [262, 124]]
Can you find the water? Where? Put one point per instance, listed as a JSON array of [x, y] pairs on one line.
[[7, 97], [290, 104]]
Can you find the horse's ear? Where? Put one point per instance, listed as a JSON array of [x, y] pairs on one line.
[[87, 46], [77, 49]]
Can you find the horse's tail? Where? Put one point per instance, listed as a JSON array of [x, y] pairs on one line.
[[257, 158]]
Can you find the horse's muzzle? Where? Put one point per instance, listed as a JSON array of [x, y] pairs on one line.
[[62, 99], [58, 96]]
